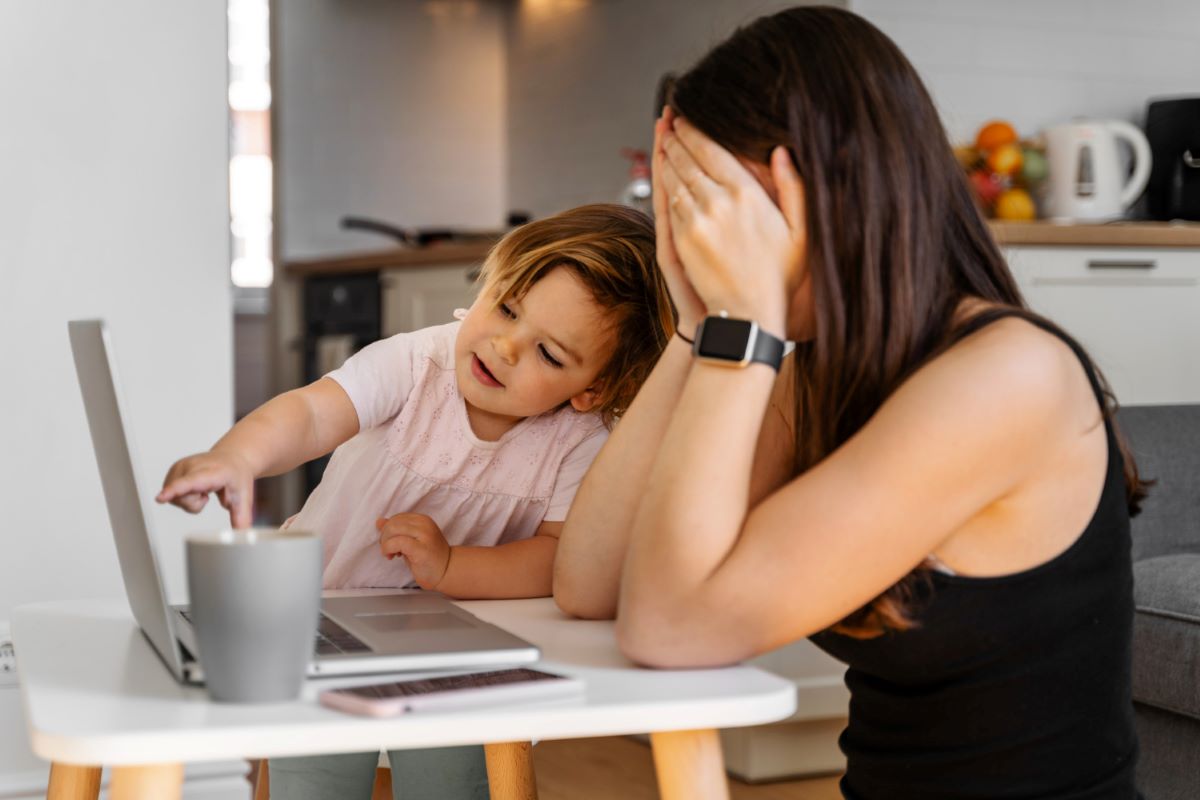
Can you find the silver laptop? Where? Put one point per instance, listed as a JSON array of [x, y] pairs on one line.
[[400, 631]]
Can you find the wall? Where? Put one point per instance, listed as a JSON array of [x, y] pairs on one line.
[[581, 80], [1037, 63], [113, 203], [388, 109]]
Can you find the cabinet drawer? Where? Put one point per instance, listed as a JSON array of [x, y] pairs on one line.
[[1136, 311], [417, 297], [1046, 267]]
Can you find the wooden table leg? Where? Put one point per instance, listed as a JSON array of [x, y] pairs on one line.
[[147, 782], [71, 782], [260, 780], [510, 771], [690, 765]]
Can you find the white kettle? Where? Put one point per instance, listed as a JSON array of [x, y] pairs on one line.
[[1086, 181]]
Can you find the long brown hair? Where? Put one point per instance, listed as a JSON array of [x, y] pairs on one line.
[[610, 248], [895, 240]]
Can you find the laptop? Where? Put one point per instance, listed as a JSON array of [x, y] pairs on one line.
[[401, 631]]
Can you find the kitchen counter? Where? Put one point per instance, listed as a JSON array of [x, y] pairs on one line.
[[392, 258], [1122, 233], [1125, 233]]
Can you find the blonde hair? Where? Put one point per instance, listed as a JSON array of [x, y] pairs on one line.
[[610, 248]]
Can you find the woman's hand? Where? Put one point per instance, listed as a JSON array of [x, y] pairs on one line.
[[741, 252], [689, 305], [189, 481], [419, 540]]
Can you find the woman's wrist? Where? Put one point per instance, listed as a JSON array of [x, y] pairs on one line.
[[686, 329], [771, 320]]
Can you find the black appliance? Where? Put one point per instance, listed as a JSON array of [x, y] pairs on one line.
[[1173, 130], [337, 306]]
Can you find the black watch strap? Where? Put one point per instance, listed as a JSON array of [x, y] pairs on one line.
[[768, 349]]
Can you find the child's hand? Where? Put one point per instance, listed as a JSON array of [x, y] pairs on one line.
[[418, 539], [190, 479]]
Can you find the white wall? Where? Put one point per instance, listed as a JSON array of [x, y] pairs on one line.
[[1037, 63], [581, 82], [389, 109], [113, 202]]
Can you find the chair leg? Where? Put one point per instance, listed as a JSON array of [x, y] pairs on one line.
[[510, 771], [71, 782]]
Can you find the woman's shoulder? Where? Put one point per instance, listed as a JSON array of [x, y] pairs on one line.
[[1015, 371], [1014, 346]]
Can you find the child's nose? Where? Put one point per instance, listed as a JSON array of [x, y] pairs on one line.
[[505, 348]]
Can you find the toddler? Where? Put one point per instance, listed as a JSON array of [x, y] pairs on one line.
[[457, 449]]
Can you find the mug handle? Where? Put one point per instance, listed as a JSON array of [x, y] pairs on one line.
[[1141, 159]]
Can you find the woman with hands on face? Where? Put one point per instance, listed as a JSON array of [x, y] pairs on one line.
[[931, 487]]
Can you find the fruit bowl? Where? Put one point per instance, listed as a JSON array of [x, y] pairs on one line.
[[1004, 171]]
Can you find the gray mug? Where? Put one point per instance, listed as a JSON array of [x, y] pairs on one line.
[[255, 604]]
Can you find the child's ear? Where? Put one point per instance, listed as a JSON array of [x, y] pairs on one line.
[[587, 399]]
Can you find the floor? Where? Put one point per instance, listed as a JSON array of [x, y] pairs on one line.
[[616, 767]]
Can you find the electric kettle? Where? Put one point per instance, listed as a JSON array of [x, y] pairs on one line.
[[1086, 180]]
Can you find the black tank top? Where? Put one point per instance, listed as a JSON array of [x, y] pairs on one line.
[[1010, 687]]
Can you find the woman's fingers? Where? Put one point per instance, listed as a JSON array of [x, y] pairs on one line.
[[661, 195], [716, 162], [790, 188], [692, 174], [658, 195], [680, 203]]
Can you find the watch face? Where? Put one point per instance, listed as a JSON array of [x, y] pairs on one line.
[[726, 339]]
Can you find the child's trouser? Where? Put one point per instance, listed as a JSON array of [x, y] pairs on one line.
[[442, 773]]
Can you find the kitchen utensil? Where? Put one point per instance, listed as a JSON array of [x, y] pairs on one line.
[[1086, 180]]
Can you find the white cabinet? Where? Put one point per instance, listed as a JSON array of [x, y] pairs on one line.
[[1135, 310], [417, 297]]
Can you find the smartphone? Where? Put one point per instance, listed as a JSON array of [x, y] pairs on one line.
[[452, 691]]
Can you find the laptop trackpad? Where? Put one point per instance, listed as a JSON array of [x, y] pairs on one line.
[[400, 622]]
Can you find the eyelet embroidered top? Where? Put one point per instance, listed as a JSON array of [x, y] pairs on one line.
[[416, 453]]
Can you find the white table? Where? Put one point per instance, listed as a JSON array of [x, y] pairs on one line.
[[95, 693]]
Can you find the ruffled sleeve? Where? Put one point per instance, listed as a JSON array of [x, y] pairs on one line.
[[379, 378], [571, 472]]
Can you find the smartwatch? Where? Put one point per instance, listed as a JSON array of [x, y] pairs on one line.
[[736, 343]]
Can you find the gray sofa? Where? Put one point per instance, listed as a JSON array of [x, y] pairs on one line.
[[1166, 635]]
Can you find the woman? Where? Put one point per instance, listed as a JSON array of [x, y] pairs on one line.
[[933, 488]]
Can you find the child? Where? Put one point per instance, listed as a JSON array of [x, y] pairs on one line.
[[459, 447]]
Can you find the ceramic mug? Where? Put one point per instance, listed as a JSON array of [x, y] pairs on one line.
[[255, 604]]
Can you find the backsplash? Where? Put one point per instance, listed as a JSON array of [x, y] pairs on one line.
[[1036, 63]]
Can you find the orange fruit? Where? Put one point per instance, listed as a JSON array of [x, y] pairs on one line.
[[995, 134], [1015, 204], [1005, 159]]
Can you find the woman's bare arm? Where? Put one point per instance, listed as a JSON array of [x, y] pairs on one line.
[[595, 536]]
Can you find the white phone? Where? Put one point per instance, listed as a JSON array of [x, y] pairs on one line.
[[452, 691]]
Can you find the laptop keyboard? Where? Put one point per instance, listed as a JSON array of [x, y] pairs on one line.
[[332, 639]]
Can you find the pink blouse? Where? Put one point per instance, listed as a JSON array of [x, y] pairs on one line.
[[416, 453]]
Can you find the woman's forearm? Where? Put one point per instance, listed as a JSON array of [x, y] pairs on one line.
[[695, 501], [596, 534]]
